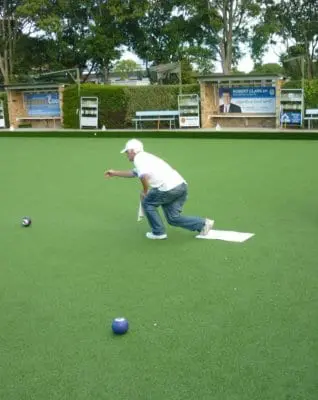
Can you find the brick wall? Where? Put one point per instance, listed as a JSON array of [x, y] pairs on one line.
[[209, 93], [16, 108]]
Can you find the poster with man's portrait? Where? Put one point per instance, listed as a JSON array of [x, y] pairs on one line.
[[258, 100]]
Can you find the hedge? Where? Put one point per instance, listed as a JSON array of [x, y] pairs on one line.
[[118, 104], [311, 91]]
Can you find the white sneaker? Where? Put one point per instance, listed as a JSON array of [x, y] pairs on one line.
[[150, 235], [207, 227]]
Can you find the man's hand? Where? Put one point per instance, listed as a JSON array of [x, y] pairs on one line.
[[143, 194], [145, 185], [110, 173]]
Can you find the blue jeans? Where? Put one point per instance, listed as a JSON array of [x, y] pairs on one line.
[[171, 202]]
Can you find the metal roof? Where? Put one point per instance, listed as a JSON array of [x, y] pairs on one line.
[[30, 86], [238, 77]]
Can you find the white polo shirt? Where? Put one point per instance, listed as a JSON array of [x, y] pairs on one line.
[[161, 175]]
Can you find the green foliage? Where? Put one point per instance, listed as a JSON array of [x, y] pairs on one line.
[[236, 71], [262, 35], [187, 74], [202, 58], [66, 24], [87, 33], [118, 104], [124, 67], [311, 91], [161, 97], [112, 104], [293, 21], [71, 107], [221, 26], [268, 68], [158, 35], [11, 30]]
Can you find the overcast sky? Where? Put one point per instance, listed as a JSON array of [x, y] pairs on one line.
[[246, 63]]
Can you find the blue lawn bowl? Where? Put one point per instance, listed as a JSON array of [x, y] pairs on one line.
[[26, 221], [120, 326]]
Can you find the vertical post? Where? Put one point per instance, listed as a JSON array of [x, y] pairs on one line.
[[278, 108], [78, 80], [10, 105], [303, 88], [180, 78]]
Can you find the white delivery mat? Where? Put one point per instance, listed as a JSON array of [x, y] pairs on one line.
[[228, 236]]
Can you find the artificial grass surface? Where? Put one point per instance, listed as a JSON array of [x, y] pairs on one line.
[[233, 321]]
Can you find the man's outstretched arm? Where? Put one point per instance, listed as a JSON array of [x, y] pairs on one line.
[[121, 174]]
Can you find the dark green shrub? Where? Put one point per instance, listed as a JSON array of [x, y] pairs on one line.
[[118, 104]]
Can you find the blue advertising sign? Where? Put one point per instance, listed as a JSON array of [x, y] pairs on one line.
[[291, 118], [42, 104], [260, 100]]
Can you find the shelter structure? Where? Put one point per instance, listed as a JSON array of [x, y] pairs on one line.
[[240, 100], [35, 105]]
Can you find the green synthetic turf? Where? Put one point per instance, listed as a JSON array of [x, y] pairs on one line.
[[208, 319]]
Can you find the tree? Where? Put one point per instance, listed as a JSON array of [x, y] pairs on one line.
[[296, 23], [111, 25], [187, 73], [153, 38], [11, 30], [163, 35], [65, 25], [124, 67], [221, 26], [87, 33], [34, 55], [200, 57], [269, 68]]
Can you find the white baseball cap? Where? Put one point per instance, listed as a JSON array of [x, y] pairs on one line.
[[133, 144]]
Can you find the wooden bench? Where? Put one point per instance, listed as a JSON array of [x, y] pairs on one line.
[[40, 118], [156, 115], [246, 116], [310, 115]]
